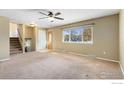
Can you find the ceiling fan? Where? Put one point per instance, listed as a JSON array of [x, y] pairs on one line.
[[51, 16]]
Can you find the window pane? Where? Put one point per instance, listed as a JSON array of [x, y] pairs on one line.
[[76, 35], [87, 34], [66, 35]]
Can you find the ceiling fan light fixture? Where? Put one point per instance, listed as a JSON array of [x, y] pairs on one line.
[[51, 18]]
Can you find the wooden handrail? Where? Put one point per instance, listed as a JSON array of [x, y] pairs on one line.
[[19, 35]]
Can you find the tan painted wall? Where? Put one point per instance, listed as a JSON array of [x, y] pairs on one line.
[[121, 35], [4, 38], [28, 32], [105, 38]]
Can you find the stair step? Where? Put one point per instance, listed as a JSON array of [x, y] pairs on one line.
[[13, 41], [15, 46], [15, 52], [15, 49], [14, 37]]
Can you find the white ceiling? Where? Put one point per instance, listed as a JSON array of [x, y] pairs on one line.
[[28, 16]]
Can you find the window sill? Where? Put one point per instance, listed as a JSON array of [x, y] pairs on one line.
[[79, 42]]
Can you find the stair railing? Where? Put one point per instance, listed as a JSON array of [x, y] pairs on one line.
[[20, 38]]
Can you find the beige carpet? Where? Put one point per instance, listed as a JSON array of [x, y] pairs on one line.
[[56, 65]]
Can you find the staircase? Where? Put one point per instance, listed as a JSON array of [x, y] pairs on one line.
[[15, 46]]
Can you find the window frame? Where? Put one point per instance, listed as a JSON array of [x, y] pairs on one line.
[[83, 42]]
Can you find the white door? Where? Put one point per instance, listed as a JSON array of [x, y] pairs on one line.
[[41, 39]]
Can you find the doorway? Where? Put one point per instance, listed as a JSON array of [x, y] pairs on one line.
[[41, 39], [49, 40]]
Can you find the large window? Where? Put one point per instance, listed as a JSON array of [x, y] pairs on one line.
[[82, 34]]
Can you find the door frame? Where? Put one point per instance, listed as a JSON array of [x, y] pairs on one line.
[[50, 41]]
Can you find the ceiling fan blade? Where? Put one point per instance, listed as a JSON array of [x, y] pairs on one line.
[[59, 18], [43, 13], [58, 13], [42, 18], [46, 10]]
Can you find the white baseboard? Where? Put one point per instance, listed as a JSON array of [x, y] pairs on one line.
[[89, 56], [4, 59], [101, 59], [107, 59], [78, 54], [122, 69]]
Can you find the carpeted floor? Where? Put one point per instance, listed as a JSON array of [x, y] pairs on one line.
[[56, 65]]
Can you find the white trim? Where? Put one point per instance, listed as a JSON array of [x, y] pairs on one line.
[[107, 59], [122, 70], [80, 26], [95, 57], [88, 55], [4, 59], [121, 67], [89, 42], [81, 42], [78, 54]]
